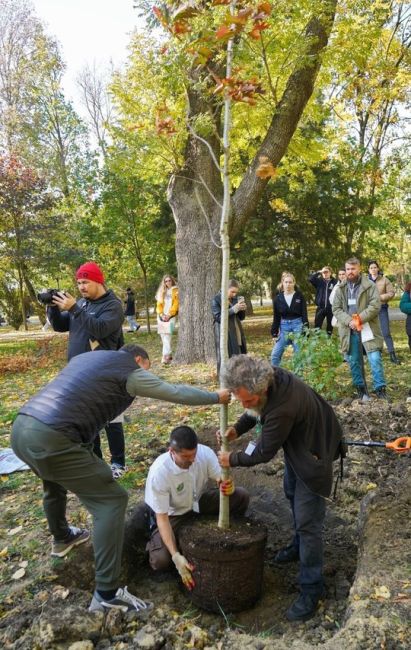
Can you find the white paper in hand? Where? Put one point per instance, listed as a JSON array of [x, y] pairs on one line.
[[366, 333]]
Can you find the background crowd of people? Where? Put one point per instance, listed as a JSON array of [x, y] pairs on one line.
[[57, 431]]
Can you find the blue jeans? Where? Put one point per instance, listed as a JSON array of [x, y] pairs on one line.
[[308, 515], [374, 359], [132, 323], [286, 328]]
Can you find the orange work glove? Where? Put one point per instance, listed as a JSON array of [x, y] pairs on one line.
[[227, 487]]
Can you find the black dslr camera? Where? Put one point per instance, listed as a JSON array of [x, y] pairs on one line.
[[46, 297]]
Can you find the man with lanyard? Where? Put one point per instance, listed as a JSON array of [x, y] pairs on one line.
[[324, 283], [291, 415], [177, 487], [356, 306]]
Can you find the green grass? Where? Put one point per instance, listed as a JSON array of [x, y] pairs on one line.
[[17, 347]]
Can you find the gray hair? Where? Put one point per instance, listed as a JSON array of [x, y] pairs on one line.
[[251, 373]]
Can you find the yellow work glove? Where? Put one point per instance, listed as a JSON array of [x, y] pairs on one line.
[[184, 568]]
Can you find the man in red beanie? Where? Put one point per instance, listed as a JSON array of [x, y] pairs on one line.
[[94, 323]]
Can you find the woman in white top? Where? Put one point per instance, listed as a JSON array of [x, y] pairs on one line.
[[167, 310]]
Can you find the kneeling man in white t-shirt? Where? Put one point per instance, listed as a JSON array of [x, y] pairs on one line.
[[176, 487]]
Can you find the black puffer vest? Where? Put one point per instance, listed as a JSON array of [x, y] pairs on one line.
[[89, 392]]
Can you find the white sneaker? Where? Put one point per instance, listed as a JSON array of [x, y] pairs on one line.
[[117, 470], [123, 600]]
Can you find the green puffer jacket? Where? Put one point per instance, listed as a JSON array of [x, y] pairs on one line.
[[368, 307]]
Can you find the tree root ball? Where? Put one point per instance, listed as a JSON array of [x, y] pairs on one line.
[[228, 563]]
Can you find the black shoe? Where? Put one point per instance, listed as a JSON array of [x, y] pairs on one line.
[[381, 393], [394, 358], [287, 554], [304, 607], [361, 391]]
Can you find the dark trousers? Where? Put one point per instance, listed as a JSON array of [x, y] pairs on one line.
[[320, 314], [385, 327], [308, 514], [115, 438], [66, 465], [209, 503]]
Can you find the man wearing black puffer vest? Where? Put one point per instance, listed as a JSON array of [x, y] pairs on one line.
[[54, 433], [94, 322]]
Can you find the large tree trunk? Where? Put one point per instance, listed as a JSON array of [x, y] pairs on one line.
[[199, 270], [195, 195], [197, 218]]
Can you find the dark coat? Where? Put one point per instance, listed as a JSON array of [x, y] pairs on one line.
[[297, 309], [233, 318], [322, 290], [300, 421], [97, 321], [130, 304]]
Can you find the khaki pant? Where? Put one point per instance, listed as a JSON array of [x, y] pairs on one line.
[[159, 556], [64, 465]]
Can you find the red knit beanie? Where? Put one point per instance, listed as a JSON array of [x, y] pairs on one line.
[[90, 271]]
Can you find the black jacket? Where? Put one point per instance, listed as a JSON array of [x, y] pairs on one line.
[[91, 321], [296, 418], [234, 319], [130, 305], [297, 309], [322, 289]]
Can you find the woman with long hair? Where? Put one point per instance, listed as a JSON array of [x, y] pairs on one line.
[[386, 291], [167, 310], [290, 316]]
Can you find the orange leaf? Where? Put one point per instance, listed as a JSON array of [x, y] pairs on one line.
[[165, 126], [180, 27], [266, 168], [224, 32], [265, 7], [255, 34], [160, 16]]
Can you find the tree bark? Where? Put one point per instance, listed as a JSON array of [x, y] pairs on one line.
[[195, 196], [195, 193]]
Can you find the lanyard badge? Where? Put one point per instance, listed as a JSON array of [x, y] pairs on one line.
[[249, 450]]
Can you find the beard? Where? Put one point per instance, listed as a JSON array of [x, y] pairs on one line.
[[253, 412], [256, 411]]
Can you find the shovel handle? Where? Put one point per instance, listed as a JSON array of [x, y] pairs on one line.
[[400, 445]]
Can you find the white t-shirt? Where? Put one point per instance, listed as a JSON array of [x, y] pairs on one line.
[[288, 297], [174, 491]]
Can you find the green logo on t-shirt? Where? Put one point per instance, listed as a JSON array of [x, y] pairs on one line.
[[180, 487]]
